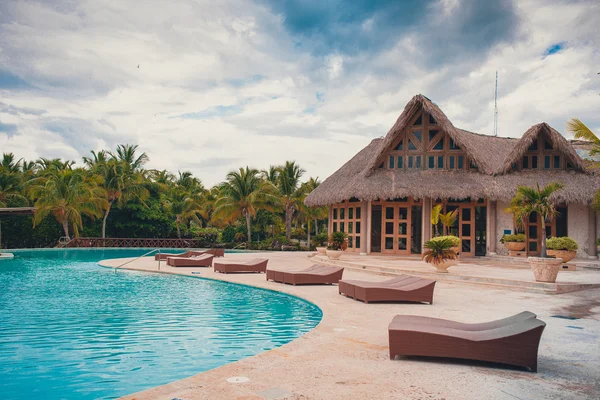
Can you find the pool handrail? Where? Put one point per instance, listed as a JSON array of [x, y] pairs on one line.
[[137, 258]]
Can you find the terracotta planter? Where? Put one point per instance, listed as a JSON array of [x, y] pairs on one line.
[[321, 250], [515, 246], [442, 267], [334, 254], [545, 269], [566, 255], [456, 249]]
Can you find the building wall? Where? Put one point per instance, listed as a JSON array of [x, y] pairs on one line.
[[503, 221], [578, 227]]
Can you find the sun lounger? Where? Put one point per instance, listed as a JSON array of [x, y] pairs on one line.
[[514, 340], [203, 260], [400, 288], [317, 274], [189, 253], [217, 252], [254, 265]]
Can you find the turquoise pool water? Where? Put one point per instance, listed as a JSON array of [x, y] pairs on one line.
[[70, 329]]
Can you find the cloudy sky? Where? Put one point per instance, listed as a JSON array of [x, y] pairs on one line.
[[209, 86]]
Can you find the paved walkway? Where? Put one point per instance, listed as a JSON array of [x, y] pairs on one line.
[[346, 355]]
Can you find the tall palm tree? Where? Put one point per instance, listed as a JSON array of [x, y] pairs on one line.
[[290, 191], [188, 181], [311, 213], [67, 194], [271, 174], [122, 177], [10, 188], [9, 164], [538, 201], [185, 206], [241, 195]]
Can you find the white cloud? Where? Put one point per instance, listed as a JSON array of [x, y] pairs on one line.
[[200, 55]]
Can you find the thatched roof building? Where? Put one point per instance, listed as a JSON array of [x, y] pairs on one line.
[[383, 197], [494, 178]]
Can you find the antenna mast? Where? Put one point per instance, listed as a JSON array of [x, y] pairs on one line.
[[496, 107]]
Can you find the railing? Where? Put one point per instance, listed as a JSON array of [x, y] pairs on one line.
[[240, 246], [132, 242], [137, 258]]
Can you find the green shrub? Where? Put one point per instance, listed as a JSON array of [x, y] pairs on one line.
[[337, 241], [561, 243], [439, 251], [320, 239], [453, 239], [519, 237], [598, 242], [206, 235], [298, 233]]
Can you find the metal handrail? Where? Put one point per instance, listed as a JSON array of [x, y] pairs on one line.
[[239, 245], [137, 258]]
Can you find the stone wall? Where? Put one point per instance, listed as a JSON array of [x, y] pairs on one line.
[[578, 227], [503, 221]]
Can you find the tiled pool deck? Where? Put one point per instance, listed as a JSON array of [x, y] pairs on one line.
[[346, 355]]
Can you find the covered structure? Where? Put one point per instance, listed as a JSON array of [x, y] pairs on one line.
[[382, 198]]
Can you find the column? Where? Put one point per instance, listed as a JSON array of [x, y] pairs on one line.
[[364, 222], [369, 222], [426, 223], [491, 227], [330, 221], [591, 232]]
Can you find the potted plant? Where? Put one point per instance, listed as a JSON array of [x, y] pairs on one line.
[[320, 242], [528, 201], [562, 247], [447, 219], [337, 245], [456, 242], [514, 242], [598, 245], [439, 253]]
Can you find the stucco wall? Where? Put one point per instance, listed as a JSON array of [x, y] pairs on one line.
[[503, 221], [578, 227]]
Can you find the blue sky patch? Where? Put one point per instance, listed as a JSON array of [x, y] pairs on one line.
[[11, 81], [241, 82], [213, 112], [320, 96], [555, 48], [9, 129]]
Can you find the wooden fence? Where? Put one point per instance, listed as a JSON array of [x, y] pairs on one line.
[[133, 242]]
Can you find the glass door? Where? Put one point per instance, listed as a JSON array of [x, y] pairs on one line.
[[376, 229]]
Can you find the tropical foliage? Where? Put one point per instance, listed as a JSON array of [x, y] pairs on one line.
[[439, 250], [112, 194], [537, 201], [562, 243], [337, 241], [513, 238]]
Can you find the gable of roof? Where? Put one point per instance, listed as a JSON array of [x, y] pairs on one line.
[[557, 140], [471, 143]]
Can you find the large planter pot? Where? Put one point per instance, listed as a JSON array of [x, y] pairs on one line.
[[442, 267], [334, 254], [566, 255], [456, 249], [515, 246], [322, 250], [545, 269]]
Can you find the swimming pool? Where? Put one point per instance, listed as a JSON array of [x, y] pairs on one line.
[[71, 329]]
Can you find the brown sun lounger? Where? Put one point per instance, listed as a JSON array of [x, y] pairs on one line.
[[217, 252], [514, 340], [254, 265], [400, 288], [203, 260], [317, 274], [189, 253]]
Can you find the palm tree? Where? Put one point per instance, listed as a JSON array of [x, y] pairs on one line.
[[164, 177], [311, 213], [126, 153], [10, 188], [241, 195], [290, 191], [435, 217], [185, 206], [448, 219], [271, 174], [581, 131], [67, 194], [8, 163], [537, 201]]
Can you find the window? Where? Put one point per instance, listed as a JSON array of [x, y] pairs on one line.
[[342, 213], [400, 162], [350, 227], [453, 145], [472, 165], [411, 145], [389, 213], [546, 162], [357, 227], [533, 146], [419, 120], [342, 227], [431, 162], [410, 162], [335, 213], [418, 162], [351, 213], [357, 240], [534, 163], [452, 166], [392, 162], [432, 135], [461, 162], [381, 165], [335, 227], [525, 162], [548, 145], [398, 146], [439, 145], [357, 213], [418, 135], [440, 162], [432, 120], [556, 162]]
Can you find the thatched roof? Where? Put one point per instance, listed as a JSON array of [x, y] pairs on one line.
[[362, 179], [557, 140]]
